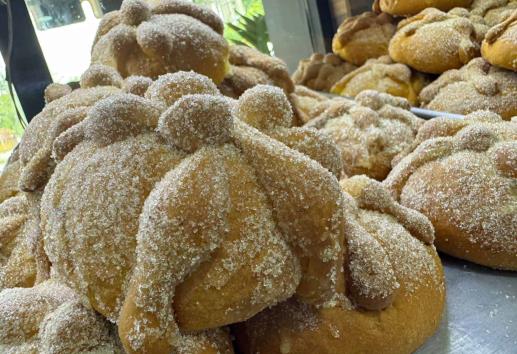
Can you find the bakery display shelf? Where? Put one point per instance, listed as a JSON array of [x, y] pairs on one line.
[[419, 112], [481, 312], [428, 114]]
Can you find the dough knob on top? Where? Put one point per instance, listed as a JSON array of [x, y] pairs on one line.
[[265, 107], [197, 120]]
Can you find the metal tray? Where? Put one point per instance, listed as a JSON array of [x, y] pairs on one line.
[[481, 312], [419, 112]]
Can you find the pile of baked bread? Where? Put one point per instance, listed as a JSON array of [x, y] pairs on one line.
[[452, 56], [188, 197]]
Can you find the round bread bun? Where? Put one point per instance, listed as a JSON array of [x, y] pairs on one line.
[[494, 11], [476, 86], [250, 67], [268, 109], [434, 41], [400, 325], [35, 148], [56, 90], [17, 264], [383, 75], [464, 179], [50, 318], [370, 132], [412, 7], [309, 104], [363, 37], [9, 177], [500, 45], [199, 220], [165, 36], [320, 72]]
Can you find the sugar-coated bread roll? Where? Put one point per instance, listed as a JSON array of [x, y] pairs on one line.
[[463, 177], [199, 220], [476, 86], [250, 67], [383, 75], [369, 132], [60, 114], [309, 104], [320, 72], [17, 264], [9, 177], [434, 41], [56, 90], [268, 109], [151, 39], [412, 7], [50, 318], [395, 288], [363, 37], [494, 11], [500, 45]]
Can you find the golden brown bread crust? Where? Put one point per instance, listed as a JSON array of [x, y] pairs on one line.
[[167, 36], [476, 86], [500, 45], [308, 104], [369, 133], [154, 164], [136, 85], [250, 67], [9, 178], [383, 75], [55, 91], [36, 163], [434, 41], [417, 302], [363, 37], [320, 72], [50, 318], [241, 78], [493, 11], [17, 265], [268, 109], [464, 180], [283, 329], [412, 7]]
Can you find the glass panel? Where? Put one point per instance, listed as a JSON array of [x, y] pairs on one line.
[[67, 35], [10, 128], [66, 47], [56, 13]]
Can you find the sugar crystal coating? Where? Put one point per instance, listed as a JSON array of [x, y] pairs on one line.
[[265, 107], [463, 180], [392, 276], [434, 41], [155, 39], [169, 88], [476, 86], [197, 120], [51, 318], [369, 132], [100, 75], [134, 191]]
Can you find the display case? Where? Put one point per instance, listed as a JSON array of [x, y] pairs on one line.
[[258, 176]]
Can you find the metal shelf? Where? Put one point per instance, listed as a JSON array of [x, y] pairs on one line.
[[481, 312]]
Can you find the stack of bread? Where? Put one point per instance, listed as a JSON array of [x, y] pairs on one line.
[[453, 56], [450, 56], [172, 204]]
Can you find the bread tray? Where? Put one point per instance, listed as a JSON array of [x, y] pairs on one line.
[[481, 312]]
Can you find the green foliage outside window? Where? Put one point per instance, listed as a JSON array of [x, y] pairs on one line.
[[244, 24], [8, 118]]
